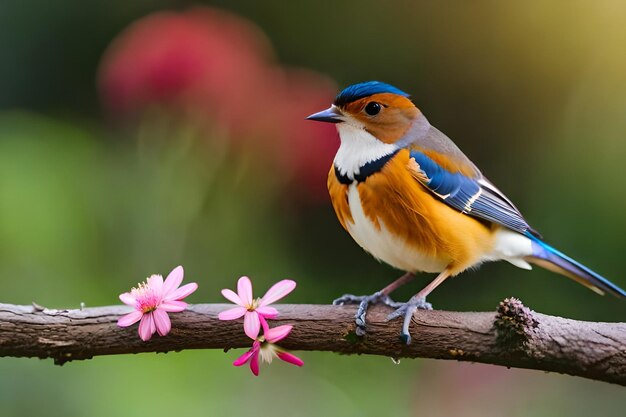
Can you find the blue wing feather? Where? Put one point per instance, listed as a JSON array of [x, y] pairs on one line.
[[476, 197]]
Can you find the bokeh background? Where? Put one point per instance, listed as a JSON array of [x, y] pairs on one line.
[[136, 136]]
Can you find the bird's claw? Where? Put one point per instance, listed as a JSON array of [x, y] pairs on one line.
[[364, 301], [413, 304], [406, 310], [376, 298]]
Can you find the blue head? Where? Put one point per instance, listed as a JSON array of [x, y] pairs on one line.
[[384, 111], [362, 90]]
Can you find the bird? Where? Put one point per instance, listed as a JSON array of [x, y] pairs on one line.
[[412, 199]]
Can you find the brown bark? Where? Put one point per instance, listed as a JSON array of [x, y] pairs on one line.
[[513, 336]]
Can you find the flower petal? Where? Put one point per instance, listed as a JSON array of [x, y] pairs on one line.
[[173, 280], [182, 292], [244, 289], [155, 282], [251, 324], [129, 319], [277, 291], [267, 312], [146, 327], [277, 333], [128, 299], [232, 297], [162, 322], [243, 358], [173, 306], [288, 357], [264, 324], [254, 363], [232, 313]]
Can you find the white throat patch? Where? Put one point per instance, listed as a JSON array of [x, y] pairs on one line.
[[358, 147]]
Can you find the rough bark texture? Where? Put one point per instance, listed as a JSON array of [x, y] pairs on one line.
[[512, 336]]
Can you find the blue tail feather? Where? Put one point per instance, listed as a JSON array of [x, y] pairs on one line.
[[544, 253]]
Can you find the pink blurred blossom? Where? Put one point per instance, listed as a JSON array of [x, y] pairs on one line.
[[265, 347], [217, 70], [152, 300], [254, 310], [202, 56], [305, 150]]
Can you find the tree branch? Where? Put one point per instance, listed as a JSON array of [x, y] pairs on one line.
[[513, 336]]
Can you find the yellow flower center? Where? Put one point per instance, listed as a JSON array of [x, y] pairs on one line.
[[147, 299], [254, 305]]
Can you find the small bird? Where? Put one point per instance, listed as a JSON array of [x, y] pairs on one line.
[[408, 196]]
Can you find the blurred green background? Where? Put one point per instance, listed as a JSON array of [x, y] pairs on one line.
[[117, 162]]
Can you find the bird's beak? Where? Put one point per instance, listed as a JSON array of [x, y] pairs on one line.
[[330, 115]]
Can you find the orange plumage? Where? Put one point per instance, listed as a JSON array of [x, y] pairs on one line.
[[413, 214], [339, 198]]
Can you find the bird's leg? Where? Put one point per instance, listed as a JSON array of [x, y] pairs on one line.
[[379, 297], [418, 301]]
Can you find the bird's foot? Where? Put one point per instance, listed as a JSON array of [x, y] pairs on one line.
[[406, 310], [376, 298], [364, 301]]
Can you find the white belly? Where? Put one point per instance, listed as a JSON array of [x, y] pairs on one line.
[[512, 247], [382, 244]]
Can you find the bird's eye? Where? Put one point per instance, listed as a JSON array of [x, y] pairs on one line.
[[372, 108]]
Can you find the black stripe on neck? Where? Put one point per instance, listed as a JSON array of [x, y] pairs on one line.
[[366, 170]]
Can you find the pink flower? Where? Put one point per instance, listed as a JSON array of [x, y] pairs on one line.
[[202, 59], [303, 152], [254, 311], [266, 348], [152, 301]]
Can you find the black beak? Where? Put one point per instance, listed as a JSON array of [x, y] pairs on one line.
[[330, 115]]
